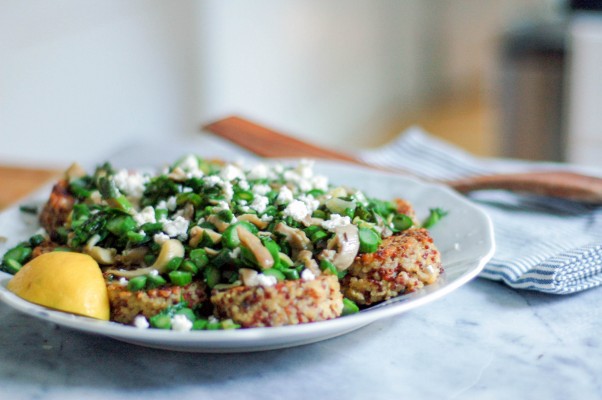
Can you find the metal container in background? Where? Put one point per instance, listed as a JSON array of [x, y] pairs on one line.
[[532, 90]]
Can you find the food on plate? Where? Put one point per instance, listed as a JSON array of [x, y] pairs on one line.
[[402, 263], [203, 244], [64, 281]]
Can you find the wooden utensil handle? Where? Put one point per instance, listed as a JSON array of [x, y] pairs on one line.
[[270, 143]]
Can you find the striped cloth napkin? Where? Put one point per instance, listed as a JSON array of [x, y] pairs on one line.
[[543, 244]]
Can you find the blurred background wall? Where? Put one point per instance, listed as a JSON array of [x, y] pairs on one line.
[[79, 80]]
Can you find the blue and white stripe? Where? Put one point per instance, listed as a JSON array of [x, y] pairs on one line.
[[543, 244]]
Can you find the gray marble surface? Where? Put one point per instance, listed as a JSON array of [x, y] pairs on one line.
[[483, 341]]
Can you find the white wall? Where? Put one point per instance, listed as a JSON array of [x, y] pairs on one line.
[[80, 79], [337, 72], [584, 131]]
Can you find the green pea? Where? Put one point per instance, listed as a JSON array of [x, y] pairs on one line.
[[137, 283], [155, 281], [349, 307], [199, 257], [212, 275], [200, 324], [369, 240], [401, 222], [189, 266], [188, 313], [160, 321], [275, 273], [174, 263], [180, 278]]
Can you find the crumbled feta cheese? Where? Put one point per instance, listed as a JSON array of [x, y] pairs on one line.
[[180, 323], [220, 206], [153, 272], [297, 210], [189, 164], [176, 227], [195, 174], [186, 189], [130, 184], [311, 203], [320, 182], [305, 168], [259, 171], [141, 322], [123, 281], [212, 180], [360, 198], [260, 203], [234, 253], [266, 280], [231, 172], [146, 215], [335, 221], [244, 185], [307, 275], [171, 203], [278, 168], [227, 190], [266, 218], [261, 189], [95, 197], [285, 195], [160, 238]]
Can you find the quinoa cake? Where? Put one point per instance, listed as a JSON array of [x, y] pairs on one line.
[[126, 305], [285, 303], [403, 263]]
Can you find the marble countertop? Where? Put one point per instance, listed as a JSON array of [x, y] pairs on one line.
[[483, 341]]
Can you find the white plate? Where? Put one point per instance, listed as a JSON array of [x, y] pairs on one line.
[[464, 237]]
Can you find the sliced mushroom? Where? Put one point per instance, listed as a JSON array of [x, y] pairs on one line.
[[382, 227], [248, 276], [101, 255], [170, 249], [285, 258], [178, 174], [262, 255], [295, 237], [187, 212], [74, 171], [327, 254], [211, 252], [197, 233], [218, 223], [306, 257], [347, 243], [254, 219], [133, 256]]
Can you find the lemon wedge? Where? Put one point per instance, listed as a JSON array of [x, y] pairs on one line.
[[70, 282]]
